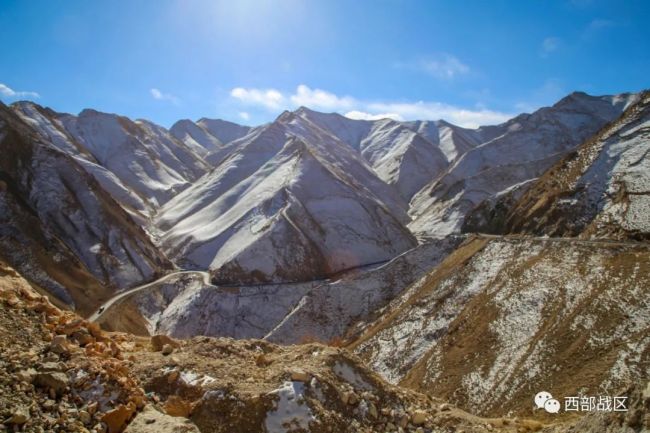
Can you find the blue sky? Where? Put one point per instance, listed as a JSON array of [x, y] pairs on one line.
[[471, 62]]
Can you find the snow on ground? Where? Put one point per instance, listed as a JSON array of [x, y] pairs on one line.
[[529, 294], [288, 203], [291, 411], [529, 146]]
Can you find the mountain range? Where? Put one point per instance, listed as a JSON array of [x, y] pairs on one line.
[[463, 263]]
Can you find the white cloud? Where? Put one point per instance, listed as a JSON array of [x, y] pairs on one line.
[[274, 101], [244, 115], [444, 66], [268, 98], [549, 45], [436, 110], [321, 99], [160, 96], [362, 115], [8, 92]]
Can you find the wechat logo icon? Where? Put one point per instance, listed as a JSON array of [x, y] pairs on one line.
[[544, 400]]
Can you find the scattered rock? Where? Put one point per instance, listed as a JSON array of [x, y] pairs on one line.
[[418, 417], [173, 375], [372, 410], [159, 341], [117, 418], [52, 380], [51, 366], [26, 376], [85, 417], [83, 337], [20, 416], [300, 376], [176, 406], [262, 360], [59, 344], [152, 421], [167, 349]]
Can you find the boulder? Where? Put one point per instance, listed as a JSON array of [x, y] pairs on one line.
[[83, 337], [52, 380], [177, 406], [116, 419], [59, 344], [159, 341], [19, 417], [26, 376], [152, 421], [418, 417], [300, 376]]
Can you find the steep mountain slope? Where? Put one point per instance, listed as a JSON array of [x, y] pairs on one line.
[[222, 129], [528, 146], [350, 131], [501, 319], [196, 137], [55, 214], [452, 140], [207, 135], [185, 306], [600, 190], [401, 157], [141, 164], [397, 153], [288, 202]]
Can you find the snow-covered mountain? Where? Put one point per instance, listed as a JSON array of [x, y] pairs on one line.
[[223, 130], [602, 189], [523, 149], [487, 326], [141, 164], [59, 226], [399, 154], [289, 202], [310, 194]]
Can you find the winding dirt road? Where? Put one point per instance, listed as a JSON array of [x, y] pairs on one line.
[[106, 305]]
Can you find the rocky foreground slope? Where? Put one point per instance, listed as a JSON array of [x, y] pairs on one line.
[[61, 373]]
